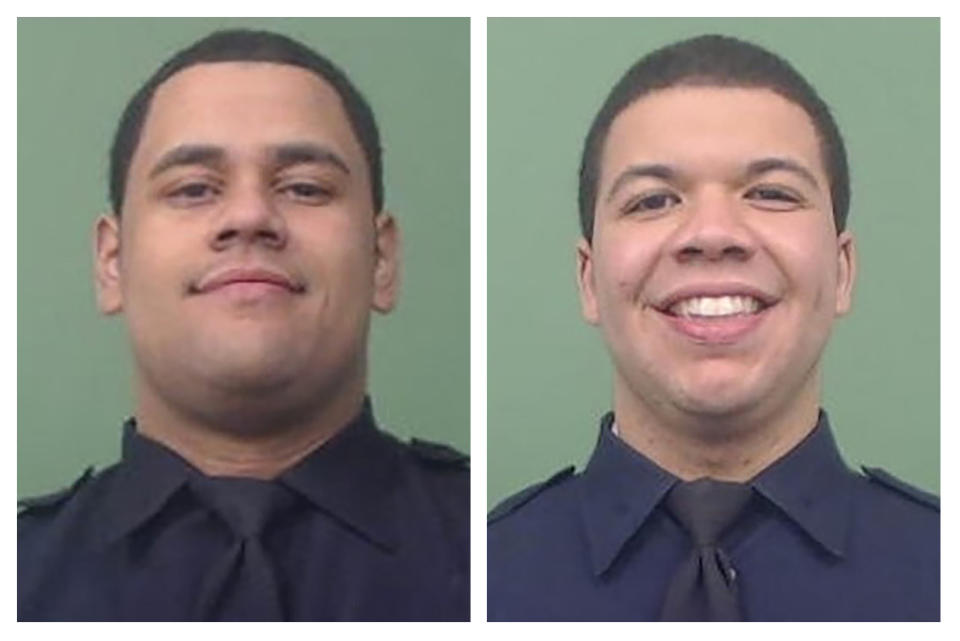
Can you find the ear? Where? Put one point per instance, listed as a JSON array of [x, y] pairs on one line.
[[846, 271], [106, 264], [588, 299], [386, 274]]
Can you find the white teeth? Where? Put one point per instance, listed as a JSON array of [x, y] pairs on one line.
[[716, 306]]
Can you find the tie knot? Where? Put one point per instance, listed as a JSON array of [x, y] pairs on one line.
[[247, 505], [706, 507]]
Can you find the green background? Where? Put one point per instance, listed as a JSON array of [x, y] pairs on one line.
[[74, 78], [549, 378]]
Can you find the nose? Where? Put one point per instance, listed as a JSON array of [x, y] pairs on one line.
[[250, 217], [714, 230]]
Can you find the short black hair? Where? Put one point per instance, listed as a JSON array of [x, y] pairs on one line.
[[714, 61], [244, 45]]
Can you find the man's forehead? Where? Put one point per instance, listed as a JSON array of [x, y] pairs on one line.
[[245, 107], [712, 127], [201, 77]]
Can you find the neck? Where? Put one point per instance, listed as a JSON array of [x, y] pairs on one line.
[[726, 448], [262, 451]]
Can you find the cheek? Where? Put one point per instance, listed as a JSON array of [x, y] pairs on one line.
[[624, 268], [152, 259], [807, 257], [338, 224], [339, 251]]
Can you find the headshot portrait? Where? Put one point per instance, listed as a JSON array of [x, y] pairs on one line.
[[243, 312], [711, 396]]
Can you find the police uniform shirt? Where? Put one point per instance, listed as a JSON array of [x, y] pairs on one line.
[[379, 531], [817, 542]]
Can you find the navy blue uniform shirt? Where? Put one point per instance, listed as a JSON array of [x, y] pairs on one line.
[[818, 542], [379, 531]]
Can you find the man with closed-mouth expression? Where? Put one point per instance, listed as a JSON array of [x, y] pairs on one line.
[[247, 247], [714, 260]]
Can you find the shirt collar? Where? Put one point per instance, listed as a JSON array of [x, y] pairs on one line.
[[621, 488], [353, 477], [811, 485], [148, 475]]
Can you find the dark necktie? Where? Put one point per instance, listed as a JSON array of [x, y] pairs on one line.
[[242, 585], [704, 587]]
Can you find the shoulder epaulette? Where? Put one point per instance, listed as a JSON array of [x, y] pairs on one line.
[[438, 453], [510, 504], [54, 498], [889, 481]]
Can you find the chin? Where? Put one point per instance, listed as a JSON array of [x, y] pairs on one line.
[[248, 373], [715, 408], [251, 382], [718, 399]]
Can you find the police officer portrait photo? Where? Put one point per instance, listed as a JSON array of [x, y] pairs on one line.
[[713, 334], [243, 319]]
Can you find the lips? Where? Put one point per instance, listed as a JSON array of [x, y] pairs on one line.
[[248, 277], [716, 313], [715, 299], [713, 306]]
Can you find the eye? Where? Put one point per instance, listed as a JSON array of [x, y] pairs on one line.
[[306, 192], [773, 197], [192, 194], [652, 202]]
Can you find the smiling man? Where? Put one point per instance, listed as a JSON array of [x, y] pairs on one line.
[[247, 246], [714, 259]]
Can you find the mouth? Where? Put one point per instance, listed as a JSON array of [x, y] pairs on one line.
[[716, 307], [247, 282], [717, 317]]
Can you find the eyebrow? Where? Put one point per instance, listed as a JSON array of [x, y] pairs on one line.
[[765, 165], [282, 155], [663, 172], [298, 153], [209, 155], [671, 174]]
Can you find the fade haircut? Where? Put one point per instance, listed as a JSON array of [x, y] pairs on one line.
[[714, 61], [243, 45]]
